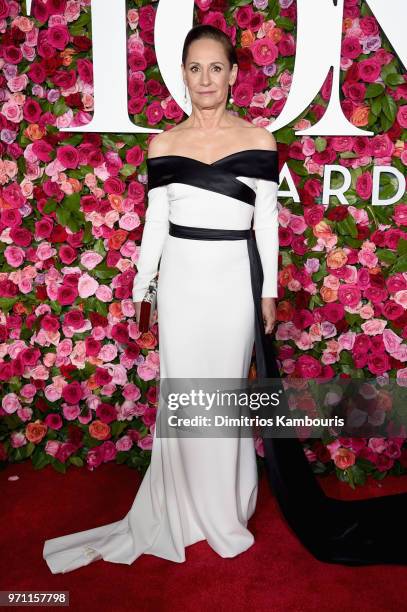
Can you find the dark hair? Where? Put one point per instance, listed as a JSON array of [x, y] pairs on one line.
[[207, 31]]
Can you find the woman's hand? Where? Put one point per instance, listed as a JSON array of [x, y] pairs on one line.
[[268, 307]]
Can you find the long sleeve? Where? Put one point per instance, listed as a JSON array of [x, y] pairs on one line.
[[265, 224], [154, 233]]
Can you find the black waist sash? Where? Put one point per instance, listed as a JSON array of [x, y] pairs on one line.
[[266, 365]]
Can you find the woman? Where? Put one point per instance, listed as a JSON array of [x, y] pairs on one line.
[[209, 179]]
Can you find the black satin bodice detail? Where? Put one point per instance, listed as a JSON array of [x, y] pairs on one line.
[[220, 176]]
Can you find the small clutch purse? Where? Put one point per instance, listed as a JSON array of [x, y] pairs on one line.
[[148, 307]]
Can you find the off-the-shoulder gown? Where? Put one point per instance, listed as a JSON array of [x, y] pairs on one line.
[[213, 271]]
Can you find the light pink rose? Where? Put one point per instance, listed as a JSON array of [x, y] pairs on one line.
[[146, 372], [367, 258], [391, 340], [12, 111], [400, 297], [378, 445], [10, 403], [297, 224], [373, 327], [90, 259], [108, 352], [18, 439], [87, 286], [104, 293], [131, 392], [124, 443], [146, 443], [64, 348], [14, 256], [400, 353], [71, 411], [401, 377], [28, 391], [52, 393], [347, 340], [52, 447], [45, 251], [129, 221]]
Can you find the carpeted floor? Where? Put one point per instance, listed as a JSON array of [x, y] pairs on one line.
[[276, 574]]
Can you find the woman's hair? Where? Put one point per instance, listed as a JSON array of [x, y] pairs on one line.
[[208, 31]]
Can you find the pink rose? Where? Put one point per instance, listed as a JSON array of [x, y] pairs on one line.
[[68, 156], [349, 295], [369, 70], [373, 327], [351, 47], [264, 51], [72, 392], [52, 447], [381, 146], [131, 392], [308, 367], [402, 116], [135, 155], [71, 412], [124, 443], [87, 285], [364, 185], [10, 403], [90, 259], [14, 256]]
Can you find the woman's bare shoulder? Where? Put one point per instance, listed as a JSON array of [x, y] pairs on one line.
[[165, 141], [264, 139], [256, 137]]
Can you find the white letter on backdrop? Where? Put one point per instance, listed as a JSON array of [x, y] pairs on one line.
[[401, 185], [338, 191]]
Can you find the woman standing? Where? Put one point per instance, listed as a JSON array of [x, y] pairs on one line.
[[210, 179]]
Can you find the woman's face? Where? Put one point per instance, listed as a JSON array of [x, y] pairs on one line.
[[207, 73]]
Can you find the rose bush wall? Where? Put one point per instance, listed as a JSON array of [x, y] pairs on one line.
[[78, 380]]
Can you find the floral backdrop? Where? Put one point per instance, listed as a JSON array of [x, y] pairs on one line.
[[78, 380]]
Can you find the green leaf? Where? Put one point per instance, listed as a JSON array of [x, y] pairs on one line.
[[320, 144], [402, 246], [128, 170], [284, 23], [7, 303], [387, 256], [50, 206], [389, 108], [72, 202], [63, 216], [347, 227], [285, 135], [298, 167], [376, 105], [59, 107], [400, 265], [76, 461], [373, 90], [393, 80]]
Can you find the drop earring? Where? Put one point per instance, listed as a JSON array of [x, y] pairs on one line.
[[185, 94]]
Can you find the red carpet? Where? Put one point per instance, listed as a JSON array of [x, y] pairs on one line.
[[276, 574]]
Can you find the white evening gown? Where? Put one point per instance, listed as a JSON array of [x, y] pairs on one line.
[[195, 488]]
